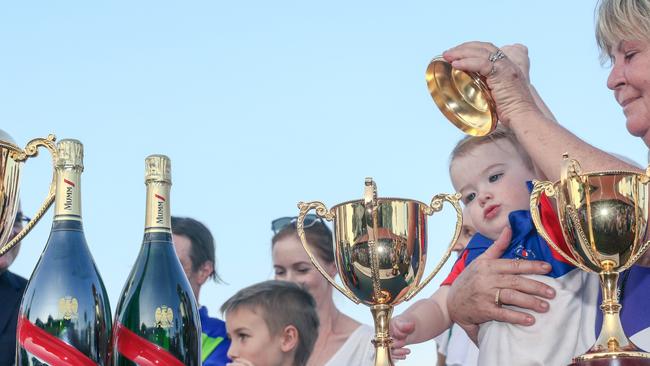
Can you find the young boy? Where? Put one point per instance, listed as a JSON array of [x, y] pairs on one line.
[[272, 323], [491, 174]]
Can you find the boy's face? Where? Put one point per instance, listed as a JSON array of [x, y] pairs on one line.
[[492, 179], [251, 341], [466, 233]]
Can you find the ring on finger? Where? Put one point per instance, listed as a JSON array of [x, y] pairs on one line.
[[496, 56], [497, 298]]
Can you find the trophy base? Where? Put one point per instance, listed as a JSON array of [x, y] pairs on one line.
[[618, 361]]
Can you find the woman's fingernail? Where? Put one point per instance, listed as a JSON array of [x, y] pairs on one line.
[[550, 292]]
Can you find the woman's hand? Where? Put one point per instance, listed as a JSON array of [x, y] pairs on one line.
[[509, 85], [518, 54], [472, 298]]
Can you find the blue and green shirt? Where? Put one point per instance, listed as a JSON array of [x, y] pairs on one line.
[[214, 341]]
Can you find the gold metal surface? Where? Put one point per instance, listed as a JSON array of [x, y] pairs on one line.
[[70, 154], [380, 250], [603, 217], [11, 160], [158, 168], [462, 97], [158, 179]]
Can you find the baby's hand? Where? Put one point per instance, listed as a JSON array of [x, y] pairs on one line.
[[400, 329]]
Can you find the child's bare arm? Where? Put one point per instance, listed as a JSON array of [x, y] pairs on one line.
[[422, 321]]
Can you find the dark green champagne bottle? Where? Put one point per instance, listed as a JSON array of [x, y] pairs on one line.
[[65, 317], [157, 320]]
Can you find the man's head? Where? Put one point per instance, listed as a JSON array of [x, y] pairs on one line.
[[194, 246], [491, 173], [272, 323]]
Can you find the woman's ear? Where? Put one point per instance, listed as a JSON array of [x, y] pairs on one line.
[[331, 269], [290, 338]]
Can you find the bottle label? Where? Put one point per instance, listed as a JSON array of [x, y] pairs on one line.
[[69, 308], [164, 317], [68, 195], [158, 216], [50, 349]]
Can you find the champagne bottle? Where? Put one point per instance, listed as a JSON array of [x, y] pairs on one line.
[[65, 317], [157, 320]]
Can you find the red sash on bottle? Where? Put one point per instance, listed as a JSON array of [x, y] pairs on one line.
[[142, 351], [49, 348]]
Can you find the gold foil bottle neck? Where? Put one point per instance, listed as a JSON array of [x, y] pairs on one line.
[[70, 154], [158, 168]]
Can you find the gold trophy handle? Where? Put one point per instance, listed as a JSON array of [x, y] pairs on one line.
[[436, 206], [638, 254], [31, 150], [549, 190], [321, 211]]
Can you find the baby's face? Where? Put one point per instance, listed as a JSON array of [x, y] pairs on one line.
[[251, 341], [492, 179]]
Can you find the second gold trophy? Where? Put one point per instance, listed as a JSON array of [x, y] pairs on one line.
[[381, 250]]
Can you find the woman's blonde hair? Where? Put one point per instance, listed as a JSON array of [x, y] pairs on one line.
[[618, 20]]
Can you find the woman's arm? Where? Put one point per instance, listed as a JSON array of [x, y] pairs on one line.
[[543, 138]]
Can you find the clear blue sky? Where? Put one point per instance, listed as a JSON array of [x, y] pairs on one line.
[[264, 104]]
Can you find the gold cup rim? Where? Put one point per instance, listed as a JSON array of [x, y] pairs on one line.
[[606, 172], [379, 199], [9, 145], [459, 108]]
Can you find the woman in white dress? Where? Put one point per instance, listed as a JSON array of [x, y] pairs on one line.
[[341, 339]]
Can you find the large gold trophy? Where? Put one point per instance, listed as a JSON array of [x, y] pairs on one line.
[[381, 249], [12, 159], [604, 217]]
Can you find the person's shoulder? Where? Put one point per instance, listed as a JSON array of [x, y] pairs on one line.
[[211, 326], [17, 282]]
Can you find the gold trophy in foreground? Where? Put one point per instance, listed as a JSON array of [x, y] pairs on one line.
[[604, 217], [381, 251], [12, 159]]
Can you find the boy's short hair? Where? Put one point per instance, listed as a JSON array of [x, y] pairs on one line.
[[469, 143], [281, 303]]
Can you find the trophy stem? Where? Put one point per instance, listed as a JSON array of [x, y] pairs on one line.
[[612, 343], [381, 315]]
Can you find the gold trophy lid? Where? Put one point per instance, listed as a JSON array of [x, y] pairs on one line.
[[70, 154], [158, 168], [462, 97], [7, 140]]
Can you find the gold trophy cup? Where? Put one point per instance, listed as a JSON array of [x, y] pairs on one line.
[[604, 217], [381, 250], [12, 159], [463, 97]]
